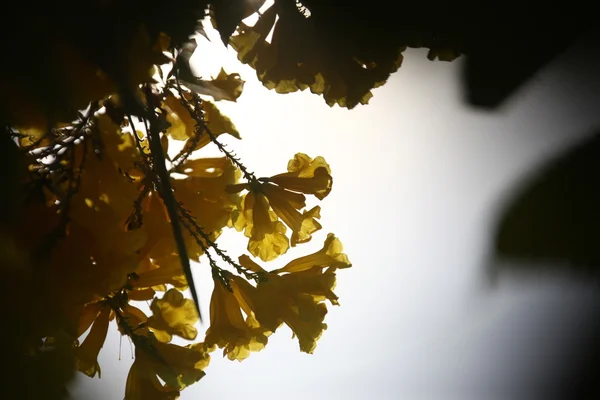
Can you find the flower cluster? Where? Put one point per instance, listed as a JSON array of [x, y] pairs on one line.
[[272, 202], [111, 217]]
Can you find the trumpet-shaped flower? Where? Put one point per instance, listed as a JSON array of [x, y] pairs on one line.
[[173, 315], [286, 205], [284, 195], [177, 366], [331, 255], [143, 384], [202, 193], [266, 232], [228, 328], [87, 354], [294, 294], [306, 175], [150, 275]]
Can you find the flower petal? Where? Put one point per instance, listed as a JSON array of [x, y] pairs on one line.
[[180, 366], [173, 315], [143, 384], [88, 316], [295, 299], [286, 205], [87, 353], [247, 263], [306, 175], [168, 271], [267, 234], [331, 255], [272, 244], [228, 329]]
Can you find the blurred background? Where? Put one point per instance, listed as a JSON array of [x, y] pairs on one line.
[[471, 235]]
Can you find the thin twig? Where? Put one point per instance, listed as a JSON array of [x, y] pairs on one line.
[[250, 177], [200, 236]]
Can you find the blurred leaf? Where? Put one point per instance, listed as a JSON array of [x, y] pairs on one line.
[[183, 61], [557, 216]]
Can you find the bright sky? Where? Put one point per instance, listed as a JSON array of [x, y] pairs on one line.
[[418, 182]]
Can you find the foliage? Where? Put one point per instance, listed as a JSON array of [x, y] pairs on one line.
[[84, 54], [103, 217]]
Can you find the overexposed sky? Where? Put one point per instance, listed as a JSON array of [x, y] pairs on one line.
[[418, 181]]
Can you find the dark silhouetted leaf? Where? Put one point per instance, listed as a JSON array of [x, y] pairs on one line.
[[300, 56], [223, 87], [557, 216], [227, 15]]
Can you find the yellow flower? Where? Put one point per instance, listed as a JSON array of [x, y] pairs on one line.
[[330, 255], [97, 213], [184, 127], [88, 315], [306, 175], [143, 384], [119, 147], [283, 195], [144, 294], [294, 294], [133, 319], [87, 353], [150, 275], [202, 194], [228, 329], [286, 205], [173, 315], [180, 366], [177, 366], [266, 232]]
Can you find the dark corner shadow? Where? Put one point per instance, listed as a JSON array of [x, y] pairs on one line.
[[556, 218], [514, 47], [552, 226]]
